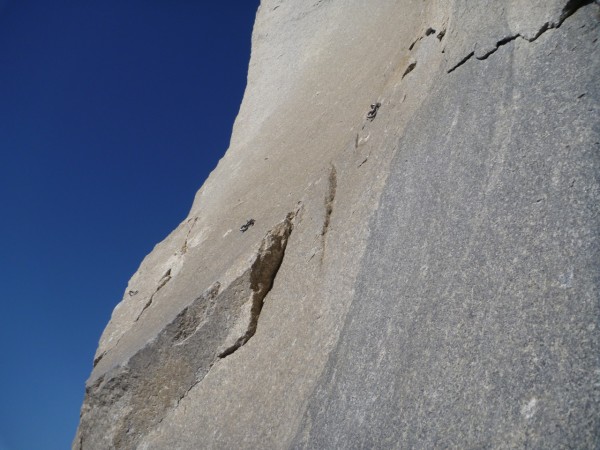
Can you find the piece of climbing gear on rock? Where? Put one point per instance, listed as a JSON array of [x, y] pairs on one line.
[[373, 112], [247, 225]]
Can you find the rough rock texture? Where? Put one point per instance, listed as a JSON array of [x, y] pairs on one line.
[[425, 279]]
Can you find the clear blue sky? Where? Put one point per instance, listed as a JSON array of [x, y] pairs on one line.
[[112, 114]]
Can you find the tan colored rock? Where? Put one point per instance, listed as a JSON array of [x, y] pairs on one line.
[[427, 278]]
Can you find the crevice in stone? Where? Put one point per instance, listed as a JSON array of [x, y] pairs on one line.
[[461, 62], [329, 199], [184, 395], [161, 283], [570, 8], [146, 306], [409, 69], [184, 247], [98, 358], [428, 32], [499, 44], [262, 276]]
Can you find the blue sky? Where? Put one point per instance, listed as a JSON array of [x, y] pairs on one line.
[[112, 114]]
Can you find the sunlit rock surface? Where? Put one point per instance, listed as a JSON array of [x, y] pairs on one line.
[[418, 274]]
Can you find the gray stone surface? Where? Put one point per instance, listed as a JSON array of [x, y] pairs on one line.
[[475, 321], [425, 279]]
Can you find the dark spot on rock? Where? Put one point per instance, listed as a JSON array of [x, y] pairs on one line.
[[247, 225], [409, 69]]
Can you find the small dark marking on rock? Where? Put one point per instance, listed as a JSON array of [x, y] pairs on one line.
[[429, 31], [373, 112], [460, 63], [247, 225], [409, 69], [98, 358]]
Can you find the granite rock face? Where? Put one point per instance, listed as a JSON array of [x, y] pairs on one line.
[[424, 278]]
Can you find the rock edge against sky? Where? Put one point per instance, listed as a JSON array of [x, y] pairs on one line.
[[423, 276]]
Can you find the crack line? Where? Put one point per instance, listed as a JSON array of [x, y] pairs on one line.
[[570, 8]]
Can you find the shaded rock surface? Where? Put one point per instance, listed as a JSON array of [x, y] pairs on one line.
[[425, 279]]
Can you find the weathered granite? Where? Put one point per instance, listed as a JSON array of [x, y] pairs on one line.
[[486, 336], [427, 279]]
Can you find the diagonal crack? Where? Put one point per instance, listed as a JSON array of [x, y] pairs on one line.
[[161, 283], [570, 8], [262, 275], [329, 199], [461, 62]]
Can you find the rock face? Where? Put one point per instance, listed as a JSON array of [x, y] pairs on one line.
[[426, 277]]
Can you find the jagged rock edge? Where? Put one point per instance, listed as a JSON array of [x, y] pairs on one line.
[[262, 276], [109, 388]]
